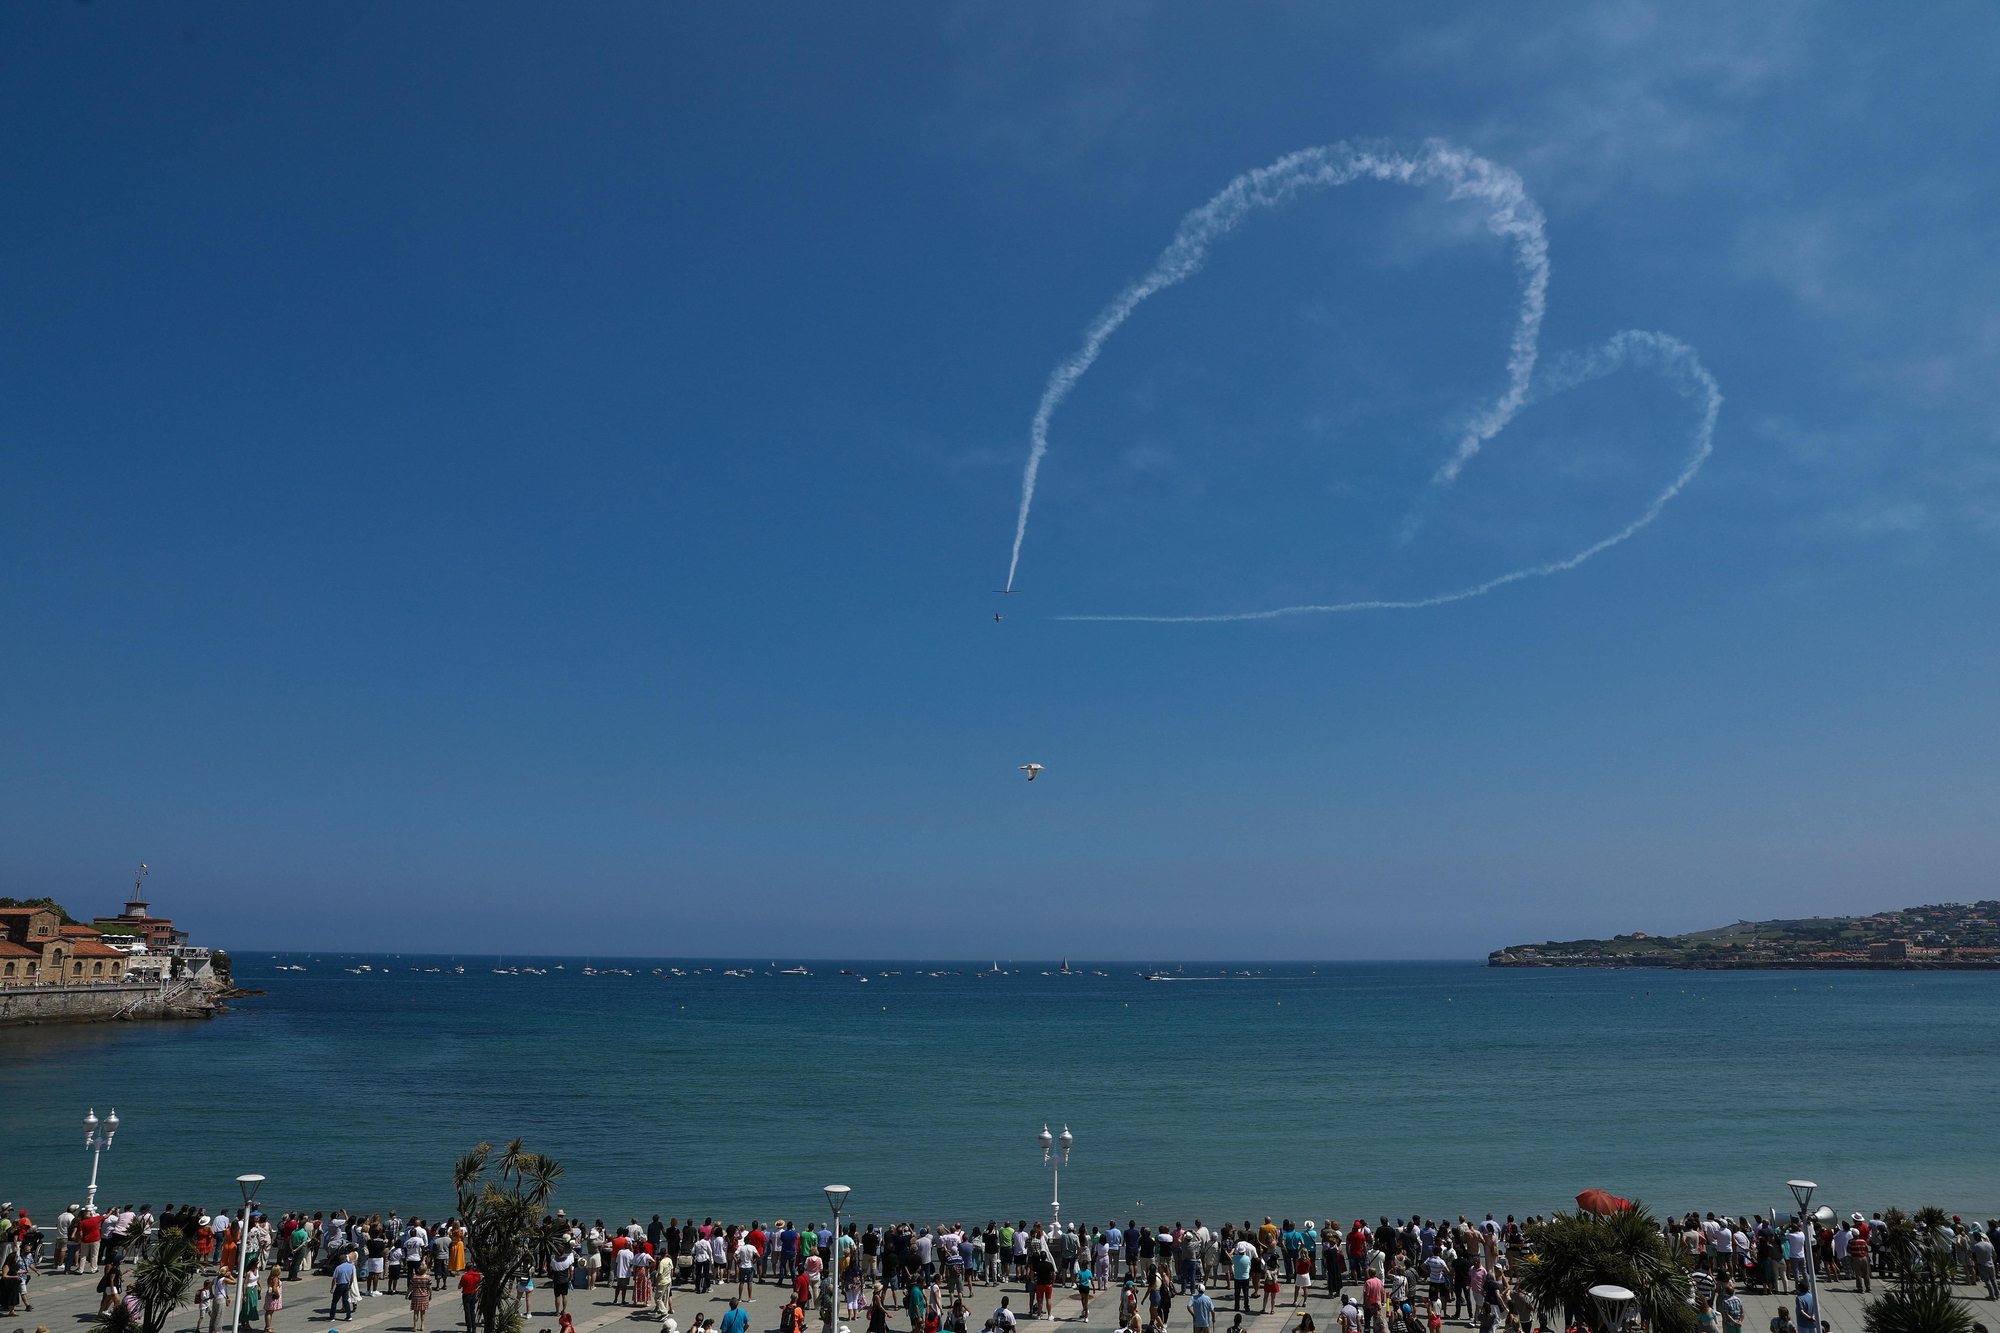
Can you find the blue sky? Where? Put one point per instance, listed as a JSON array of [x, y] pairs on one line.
[[516, 477]]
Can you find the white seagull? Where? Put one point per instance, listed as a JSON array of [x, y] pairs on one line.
[[1031, 770]]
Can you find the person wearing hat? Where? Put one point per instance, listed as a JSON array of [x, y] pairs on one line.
[[1982, 1263], [1857, 1252]]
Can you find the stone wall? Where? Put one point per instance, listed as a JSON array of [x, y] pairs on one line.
[[103, 1002]]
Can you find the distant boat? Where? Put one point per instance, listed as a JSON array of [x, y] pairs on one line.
[[795, 972], [1161, 976]]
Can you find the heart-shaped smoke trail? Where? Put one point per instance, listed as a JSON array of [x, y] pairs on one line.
[[1512, 214]]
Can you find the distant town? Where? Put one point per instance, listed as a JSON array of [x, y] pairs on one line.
[[1941, 935], [55, 969]]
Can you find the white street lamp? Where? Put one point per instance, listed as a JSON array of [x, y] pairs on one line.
[[836, 1195], [1802, 1190], [248, 1184], [97, 1143], [1056, 1163], [1614, 1304]]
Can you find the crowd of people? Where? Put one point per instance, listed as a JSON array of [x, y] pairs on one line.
[[1392, 1277]]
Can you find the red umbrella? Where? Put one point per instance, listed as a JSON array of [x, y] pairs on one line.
[[1601, 1203]]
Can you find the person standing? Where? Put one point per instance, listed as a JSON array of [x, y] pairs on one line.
[[468, 1296], [421, 1286], [274, 1297], [89, 1232], [1240, 1257], [343, 1290], [1201, 1310], [1982, 1263]]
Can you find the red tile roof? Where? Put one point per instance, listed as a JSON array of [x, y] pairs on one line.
[[9, 949]]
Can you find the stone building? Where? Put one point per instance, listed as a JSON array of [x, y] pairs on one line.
[[36, 947]]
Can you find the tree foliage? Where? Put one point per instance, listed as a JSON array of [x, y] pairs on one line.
[[1577, 1251], [1920, 1247], [162, 1282], [505, 1215], [49, 903]]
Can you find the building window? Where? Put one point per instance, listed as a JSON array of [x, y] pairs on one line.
[[77, 970], [96, 969], [10, 969]]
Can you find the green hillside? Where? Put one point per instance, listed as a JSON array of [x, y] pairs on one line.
[[1943, 932]]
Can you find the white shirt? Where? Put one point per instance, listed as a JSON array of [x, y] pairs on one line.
[[701, 1251]]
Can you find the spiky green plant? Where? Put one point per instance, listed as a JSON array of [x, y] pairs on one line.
[[505, 1219], [1921, 1301], [1916, 1307], [1577, 1251], [162, 1282]]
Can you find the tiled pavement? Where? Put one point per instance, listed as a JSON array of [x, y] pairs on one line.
[[65, 1303]]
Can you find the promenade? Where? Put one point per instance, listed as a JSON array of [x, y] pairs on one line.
[[64, 1304]]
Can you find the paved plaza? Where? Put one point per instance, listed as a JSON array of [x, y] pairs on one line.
[[65, 1303]]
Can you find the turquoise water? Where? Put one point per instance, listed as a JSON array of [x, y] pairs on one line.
[[1337, 1090]]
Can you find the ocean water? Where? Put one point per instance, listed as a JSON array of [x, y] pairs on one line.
[[1337, 1090]]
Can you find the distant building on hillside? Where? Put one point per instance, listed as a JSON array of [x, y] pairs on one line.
[[155, 932], [1888, 949]]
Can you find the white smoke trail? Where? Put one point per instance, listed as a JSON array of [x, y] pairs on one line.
[[1513, 215], [1668, 356]]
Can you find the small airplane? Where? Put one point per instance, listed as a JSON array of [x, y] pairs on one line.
[[1032, 770], [999, 618], [1006, 592]]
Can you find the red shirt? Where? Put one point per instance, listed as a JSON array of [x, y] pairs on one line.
[[468, 1282], [758, 1239], [90, 1229]]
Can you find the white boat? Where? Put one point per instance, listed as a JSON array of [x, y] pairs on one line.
[[795, 972]]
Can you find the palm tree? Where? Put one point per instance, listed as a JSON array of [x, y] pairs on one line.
[[1577, 1251], [505, 1218], [1921, 1301], [161, 1282]]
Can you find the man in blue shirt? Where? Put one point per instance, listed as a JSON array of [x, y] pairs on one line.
[[1114, 1241], [1201, 1310], [735, 1321], [343, 1288]]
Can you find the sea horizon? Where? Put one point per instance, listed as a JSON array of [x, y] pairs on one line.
[[1348, 1089]]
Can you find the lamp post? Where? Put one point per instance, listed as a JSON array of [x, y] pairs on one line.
[[1614, 1305], [1056, 1164], [248, 1184], [98, 1143], [1802, 1190], [836, 1195]]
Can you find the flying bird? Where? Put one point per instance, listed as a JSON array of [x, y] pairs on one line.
[[1031, 770]]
